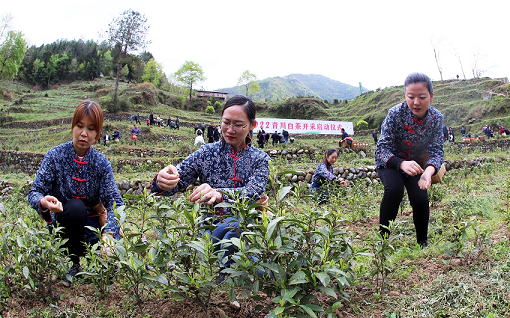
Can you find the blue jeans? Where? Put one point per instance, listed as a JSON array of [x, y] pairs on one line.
[[226, 229]]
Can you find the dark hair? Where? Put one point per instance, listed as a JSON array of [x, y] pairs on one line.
[[248, 106], [328, 153], [414, 78], [91, 109]]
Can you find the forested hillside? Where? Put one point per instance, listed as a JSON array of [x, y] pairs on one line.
[[275, 89]]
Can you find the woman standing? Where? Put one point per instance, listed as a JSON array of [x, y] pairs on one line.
[[74, 186], [324, 174], [230, 166], [411, 133]]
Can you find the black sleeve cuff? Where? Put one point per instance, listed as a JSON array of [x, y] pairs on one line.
[[435, 168], [46, 215], [394, 163], [155, 188]]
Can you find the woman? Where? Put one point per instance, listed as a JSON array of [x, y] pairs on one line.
[[324, 174], [411, 132], [75, 184], [134, 133], [230, 165]]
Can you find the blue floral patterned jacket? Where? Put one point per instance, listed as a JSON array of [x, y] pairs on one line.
[[64, 176], [216, 164], [405, 137], [322, 175]]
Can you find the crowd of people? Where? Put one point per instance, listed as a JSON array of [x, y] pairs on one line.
[[277, 138], [487, 131]]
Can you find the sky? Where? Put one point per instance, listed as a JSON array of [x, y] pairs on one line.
[[377, 43]]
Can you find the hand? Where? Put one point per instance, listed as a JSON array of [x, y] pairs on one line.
[[204, 193], [168, 177], [426, 178], [108, 243], [51, 203], [411, 167], [342, 181]]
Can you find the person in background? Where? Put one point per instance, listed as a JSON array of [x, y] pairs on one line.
[[261, 139], [451, 135], [374, 135], [151, 119], [199, 139], [276, 137], [74, 188], [286, 136], [324, 174], [216, 134], [134, 133], [408, 153], [177, 122], [489, 132], [463, 131], [345, 137], [137, 118], [116, 135], [344, 134], [446, 137], [106, 138], [210, 133], [231, 165]]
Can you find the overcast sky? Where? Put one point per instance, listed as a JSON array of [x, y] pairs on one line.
[[376, 43]]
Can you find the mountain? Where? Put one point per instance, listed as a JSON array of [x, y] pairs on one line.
[[293, 85]]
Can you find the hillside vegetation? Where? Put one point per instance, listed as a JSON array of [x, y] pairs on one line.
[[472, 103], [276, 89]]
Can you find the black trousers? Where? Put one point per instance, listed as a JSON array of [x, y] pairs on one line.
[[73, 219], [394, 182]]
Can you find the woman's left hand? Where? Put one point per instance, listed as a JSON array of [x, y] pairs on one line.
[[108, 243], [426, 178], [205, 193]]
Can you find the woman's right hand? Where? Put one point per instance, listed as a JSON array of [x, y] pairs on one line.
[[411, 167], [51, 203], [168, 177], [342, 181]]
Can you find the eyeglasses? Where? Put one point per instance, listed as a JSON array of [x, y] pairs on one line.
[[235, 127]]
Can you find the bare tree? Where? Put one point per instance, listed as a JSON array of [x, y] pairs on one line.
[[478, 64], [5, 25], [457, 55], [435, 45], [127, 32]]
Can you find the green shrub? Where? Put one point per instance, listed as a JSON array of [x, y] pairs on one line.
[[124, 104], [361, 125], [209, 110], [217, 105]]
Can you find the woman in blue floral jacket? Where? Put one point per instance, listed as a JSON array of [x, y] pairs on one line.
[[229, 165], [324, 174], [409, 152], [74, 183]]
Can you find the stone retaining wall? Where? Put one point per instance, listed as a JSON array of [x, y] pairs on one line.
[[367, 174]]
